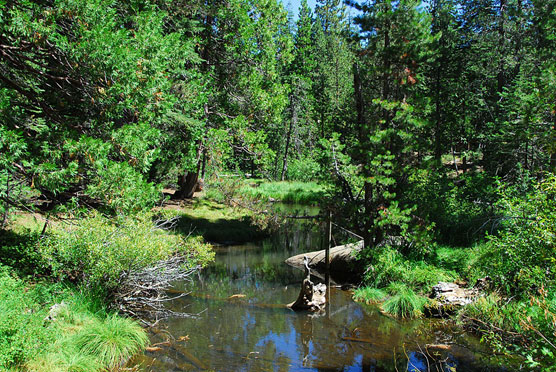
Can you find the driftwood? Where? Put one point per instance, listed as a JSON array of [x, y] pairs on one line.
[[142, 294], [311, 297]]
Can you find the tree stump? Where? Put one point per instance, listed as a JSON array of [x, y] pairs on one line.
[[311, 297]]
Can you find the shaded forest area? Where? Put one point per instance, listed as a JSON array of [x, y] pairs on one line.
[[432, 126]]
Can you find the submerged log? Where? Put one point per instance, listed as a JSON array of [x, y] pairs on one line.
[[311, 297]]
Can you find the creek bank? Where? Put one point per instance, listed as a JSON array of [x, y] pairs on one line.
[[344, 267]]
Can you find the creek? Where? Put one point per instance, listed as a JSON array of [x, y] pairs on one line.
[[242, 323]]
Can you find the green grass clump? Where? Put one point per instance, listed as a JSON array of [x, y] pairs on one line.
[[404, 303], [391, 266], [81, 337], [369, 295], [112, 340]]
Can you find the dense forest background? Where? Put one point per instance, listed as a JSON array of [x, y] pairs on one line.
[[429, 122]]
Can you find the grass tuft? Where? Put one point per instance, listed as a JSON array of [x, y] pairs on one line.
[[112, 340], [404, 303], [369, 295]]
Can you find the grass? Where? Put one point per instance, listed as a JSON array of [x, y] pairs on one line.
[[369, 295], [292, 192], [82, 336], [217, 223], [404, 302], [111, 340], [391, 266]]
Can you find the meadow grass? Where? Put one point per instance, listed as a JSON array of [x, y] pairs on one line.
[[79, 336], [292, 192]]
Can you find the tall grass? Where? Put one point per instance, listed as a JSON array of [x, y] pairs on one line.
[[404, 303], [369, 295], [112, 340], [286, 191]]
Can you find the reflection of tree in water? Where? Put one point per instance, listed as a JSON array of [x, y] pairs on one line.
[[257, 333]]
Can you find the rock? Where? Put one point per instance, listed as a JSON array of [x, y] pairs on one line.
[[55, 310], [343, 267], [448, 297]]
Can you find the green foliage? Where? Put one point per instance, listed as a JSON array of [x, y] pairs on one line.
[[287, 192], [81, 336], [22, 334], [368, 295], [307, 169], [403, 303], [98, 252], [123, 189], [112, 340], [520, 258], [388, 265]]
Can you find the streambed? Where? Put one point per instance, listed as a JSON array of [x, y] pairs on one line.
[[243, 325]]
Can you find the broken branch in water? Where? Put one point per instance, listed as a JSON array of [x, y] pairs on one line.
[[142, 294]]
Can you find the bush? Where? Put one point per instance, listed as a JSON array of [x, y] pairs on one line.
[[122, 189], [520, 258], [98, 252], [306, 169]]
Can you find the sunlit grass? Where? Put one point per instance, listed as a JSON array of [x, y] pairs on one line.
[[404, 303], [369, 295], [286, 191]]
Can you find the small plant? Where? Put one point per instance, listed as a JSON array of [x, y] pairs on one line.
[[404, 303], [112, 340], [369, 295]]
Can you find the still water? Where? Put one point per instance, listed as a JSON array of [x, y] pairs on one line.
[[242, 324]]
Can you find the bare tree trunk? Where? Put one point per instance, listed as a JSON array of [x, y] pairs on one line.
[[293, 123]]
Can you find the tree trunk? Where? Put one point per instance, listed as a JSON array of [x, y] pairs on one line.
[[187, 183], [293, 123]]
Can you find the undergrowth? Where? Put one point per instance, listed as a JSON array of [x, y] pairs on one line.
[[78, 334]]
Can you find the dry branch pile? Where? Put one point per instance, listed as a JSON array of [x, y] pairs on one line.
[[142, 294]]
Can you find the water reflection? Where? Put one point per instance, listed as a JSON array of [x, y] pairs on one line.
[[243, 324]]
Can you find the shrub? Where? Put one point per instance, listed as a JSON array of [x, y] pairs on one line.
[[520, 259], [98, 252], [306, 169], [122, 189]]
